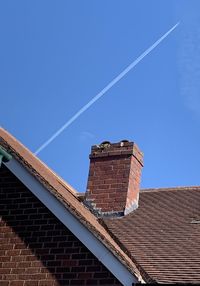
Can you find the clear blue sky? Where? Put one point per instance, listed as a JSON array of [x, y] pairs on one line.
[[55, 56]]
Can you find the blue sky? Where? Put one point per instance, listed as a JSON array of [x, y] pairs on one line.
[[55, 56]]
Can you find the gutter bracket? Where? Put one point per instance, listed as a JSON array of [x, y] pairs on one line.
[[4, 156]]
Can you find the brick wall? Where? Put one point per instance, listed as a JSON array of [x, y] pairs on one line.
[[36, 249]]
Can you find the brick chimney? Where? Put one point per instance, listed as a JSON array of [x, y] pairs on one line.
[[114, 178]]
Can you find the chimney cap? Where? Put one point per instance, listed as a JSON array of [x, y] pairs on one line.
[[122, 148]]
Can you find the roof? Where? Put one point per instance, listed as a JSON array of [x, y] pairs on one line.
[[158, 242], [163, 234], [68, 197]]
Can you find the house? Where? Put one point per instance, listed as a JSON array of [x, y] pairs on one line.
[[114, 234]]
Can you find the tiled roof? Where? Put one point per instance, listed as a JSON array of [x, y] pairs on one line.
[[66, 195], [163, 234], [162, 237]]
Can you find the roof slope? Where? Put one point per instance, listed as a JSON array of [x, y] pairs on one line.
[[163, 234], [66, 195]]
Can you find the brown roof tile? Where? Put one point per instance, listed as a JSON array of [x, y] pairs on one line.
[[66, 195], [163, 234]]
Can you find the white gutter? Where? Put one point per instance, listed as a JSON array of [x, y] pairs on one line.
[[73, 224]]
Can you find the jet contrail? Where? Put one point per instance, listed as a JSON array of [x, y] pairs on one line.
[[104, 90]]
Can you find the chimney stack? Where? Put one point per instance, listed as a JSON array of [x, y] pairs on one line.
[[114, 178]]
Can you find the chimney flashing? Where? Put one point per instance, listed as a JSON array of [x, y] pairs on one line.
[[99, 214]]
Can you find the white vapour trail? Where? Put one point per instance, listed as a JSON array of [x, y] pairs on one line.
[[104, 90]]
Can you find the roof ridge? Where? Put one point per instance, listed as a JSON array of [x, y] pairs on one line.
[[178, 188]]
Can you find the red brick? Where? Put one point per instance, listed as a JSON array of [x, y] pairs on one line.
[[18, 258], [13, 252], [4, 283], [46, 283], [5, 258], [31, 283], [16, 283], [18, 271], [5, 270], [8, 264]]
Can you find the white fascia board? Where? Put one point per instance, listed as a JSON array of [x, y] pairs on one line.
[[72, 223]]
